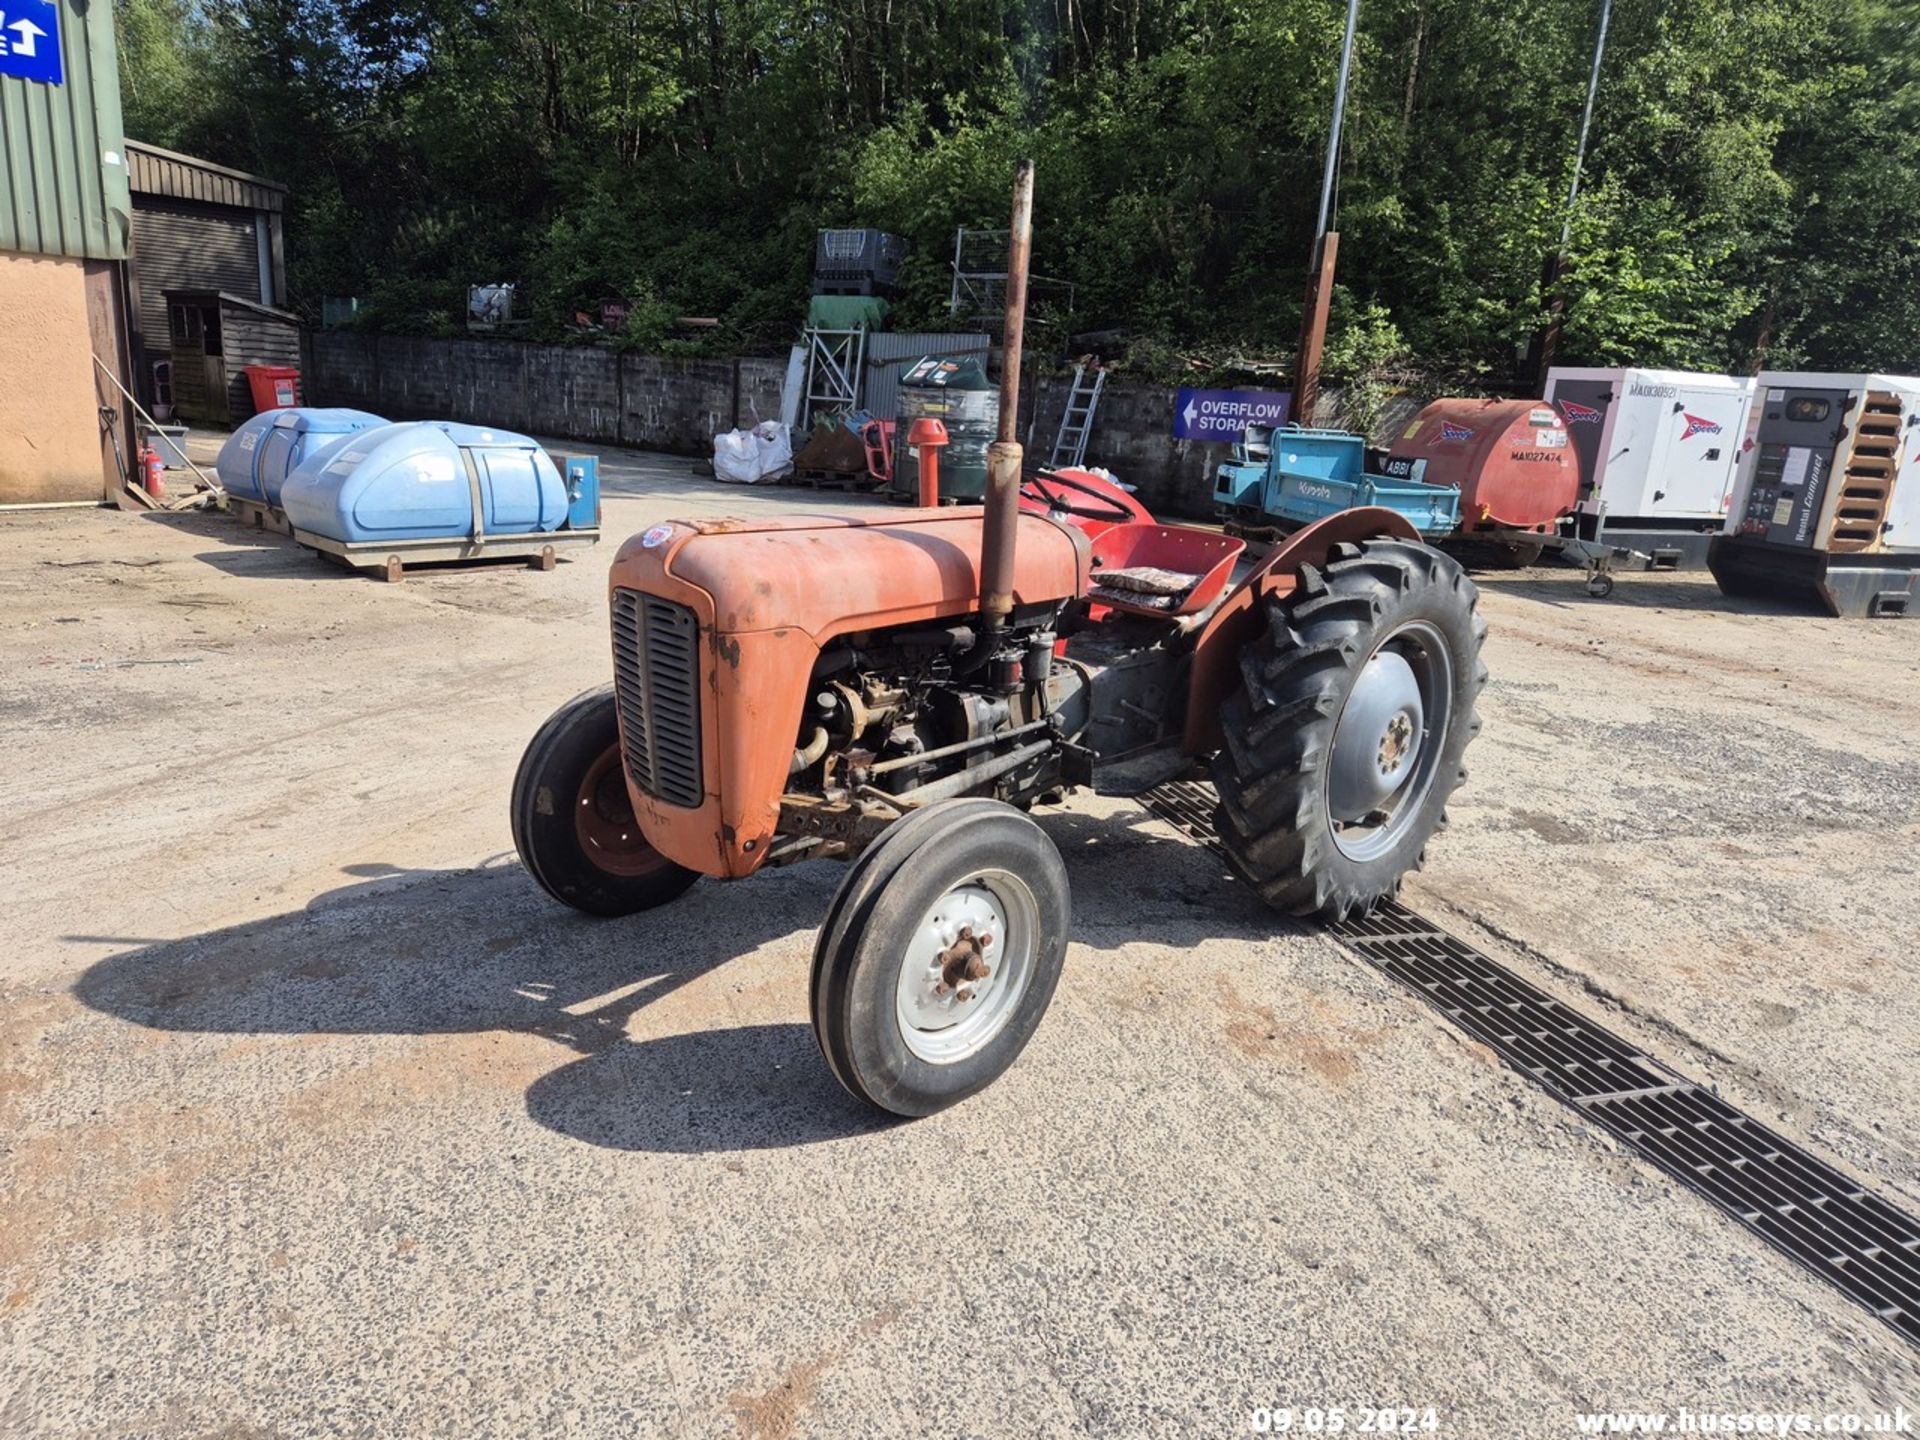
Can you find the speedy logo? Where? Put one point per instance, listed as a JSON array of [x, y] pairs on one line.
[[1451, 431], [1699, 425], [1580, 414]]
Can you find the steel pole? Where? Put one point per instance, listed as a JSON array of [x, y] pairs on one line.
[[1556, 296], [1339, 115], [1313, 307], [1586, 123]]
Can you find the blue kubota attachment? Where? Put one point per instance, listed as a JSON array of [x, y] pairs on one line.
[[1293, 477]]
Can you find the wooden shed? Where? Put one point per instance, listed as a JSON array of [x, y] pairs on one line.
[[215, 336], [197, 226]]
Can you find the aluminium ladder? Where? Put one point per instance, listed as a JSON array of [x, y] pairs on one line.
[[1076, 421]]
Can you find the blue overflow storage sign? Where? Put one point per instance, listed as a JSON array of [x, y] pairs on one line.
[[30, 40], [1223, 416]]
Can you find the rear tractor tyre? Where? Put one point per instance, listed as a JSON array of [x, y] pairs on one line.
[[573, 821], [1345, 740], [940, 955]]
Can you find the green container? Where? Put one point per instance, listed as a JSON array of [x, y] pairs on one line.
[[955, 391], [846, 312]]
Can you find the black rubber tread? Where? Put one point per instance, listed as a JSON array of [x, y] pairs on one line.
[[1278, 728], [556, 760], [856, 956]]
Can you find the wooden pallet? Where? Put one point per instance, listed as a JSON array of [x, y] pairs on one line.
[[1866, 485], [388, 559], [260, 516]]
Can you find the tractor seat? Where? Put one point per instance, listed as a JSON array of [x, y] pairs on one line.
[[1164, 570], [1143, 585]]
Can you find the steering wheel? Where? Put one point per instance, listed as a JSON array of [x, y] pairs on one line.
[[1045, 487]]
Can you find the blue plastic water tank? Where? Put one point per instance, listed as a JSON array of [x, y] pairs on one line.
[[297, 436], [258, 457], [411, 482], [238, 464]]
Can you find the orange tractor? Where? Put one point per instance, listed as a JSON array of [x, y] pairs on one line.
[[899, 689]]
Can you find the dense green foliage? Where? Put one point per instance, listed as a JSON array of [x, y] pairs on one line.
[[1751, 186]]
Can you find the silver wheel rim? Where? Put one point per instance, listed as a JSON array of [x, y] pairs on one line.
[[946, 1008], [1388, 740]]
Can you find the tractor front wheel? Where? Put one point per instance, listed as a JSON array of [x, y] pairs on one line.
[[1345, 739], [573, 821], [940, 955]]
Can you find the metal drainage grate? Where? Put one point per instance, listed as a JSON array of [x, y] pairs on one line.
[[1816, 1216]]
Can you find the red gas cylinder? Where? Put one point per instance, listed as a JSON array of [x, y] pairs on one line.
[[153, 472], [1510, 459]]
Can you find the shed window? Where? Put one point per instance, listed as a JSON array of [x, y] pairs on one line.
[[186, 324]]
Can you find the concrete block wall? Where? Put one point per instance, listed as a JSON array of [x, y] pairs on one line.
[[675, 404], [760, 384], [580, 393], [578, 397]]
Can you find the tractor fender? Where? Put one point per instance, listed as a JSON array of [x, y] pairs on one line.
[[1216, 651]]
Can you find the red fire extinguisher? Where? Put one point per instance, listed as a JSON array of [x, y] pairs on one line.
[[154, 472]]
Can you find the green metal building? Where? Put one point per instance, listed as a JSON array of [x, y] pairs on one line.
[[65, 217]]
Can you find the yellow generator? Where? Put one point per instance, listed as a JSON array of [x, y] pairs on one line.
[[1826, 502]]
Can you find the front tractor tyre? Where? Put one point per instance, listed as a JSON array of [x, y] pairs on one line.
[[573, 821], [1345, 739], [939, 955]]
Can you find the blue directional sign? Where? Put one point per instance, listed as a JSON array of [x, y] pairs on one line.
[[1224, 415], [30, 40]]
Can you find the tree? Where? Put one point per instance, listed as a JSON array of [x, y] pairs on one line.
[[1748, 190]]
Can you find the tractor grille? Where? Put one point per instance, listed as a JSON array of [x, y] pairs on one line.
[[1855, 1240], [656, 681]]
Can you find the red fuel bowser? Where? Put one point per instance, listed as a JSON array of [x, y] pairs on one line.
[[1510, 458]]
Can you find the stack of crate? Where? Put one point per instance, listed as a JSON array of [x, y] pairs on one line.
[[856, 262]]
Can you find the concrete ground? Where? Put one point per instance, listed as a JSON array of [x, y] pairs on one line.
[[318, 1119]]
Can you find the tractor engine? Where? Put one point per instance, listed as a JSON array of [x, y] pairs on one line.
[[919, 713]]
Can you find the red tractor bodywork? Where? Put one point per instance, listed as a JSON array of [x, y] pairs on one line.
[[769, 594]]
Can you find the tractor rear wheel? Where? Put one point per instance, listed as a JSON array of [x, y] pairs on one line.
[[573, 821], [940, 955], [1345, 739]]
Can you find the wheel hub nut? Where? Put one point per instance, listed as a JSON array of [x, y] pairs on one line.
[[1394, 744], [963, 960]]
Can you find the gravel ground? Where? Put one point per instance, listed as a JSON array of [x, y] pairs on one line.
[[318, 1119]]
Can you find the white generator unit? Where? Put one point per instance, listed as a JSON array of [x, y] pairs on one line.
[[1657, 448], [1826, 505]]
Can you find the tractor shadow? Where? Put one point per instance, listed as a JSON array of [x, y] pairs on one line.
[[426, 953]]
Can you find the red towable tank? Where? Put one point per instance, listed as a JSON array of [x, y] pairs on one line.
[[1510, 459]]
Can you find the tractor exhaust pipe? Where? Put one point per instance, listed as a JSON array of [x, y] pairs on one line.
[[1005, 457]]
